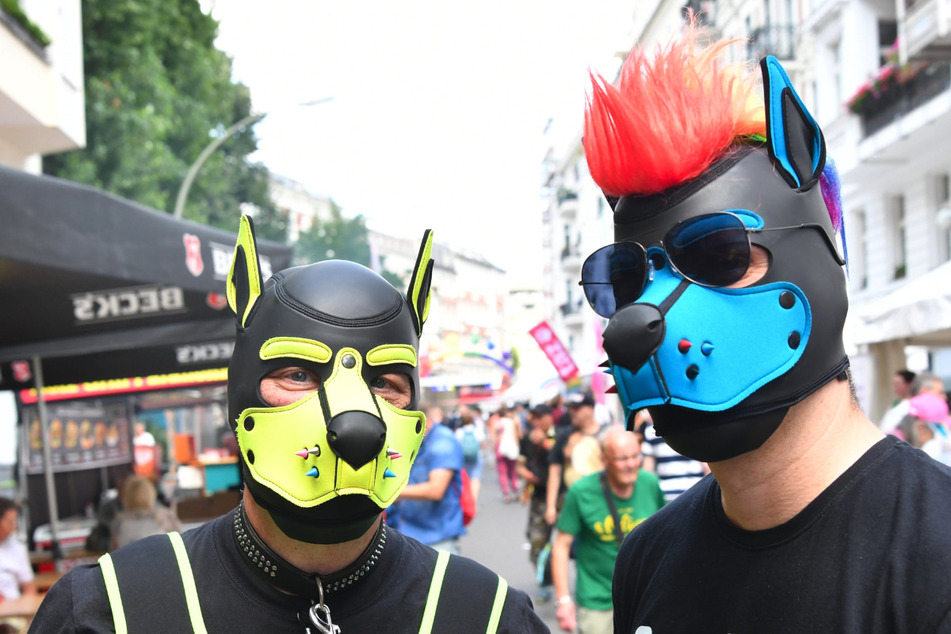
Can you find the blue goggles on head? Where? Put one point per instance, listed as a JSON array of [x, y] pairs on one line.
[[710, 250]]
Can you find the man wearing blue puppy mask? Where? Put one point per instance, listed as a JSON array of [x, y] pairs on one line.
[[725, 295]]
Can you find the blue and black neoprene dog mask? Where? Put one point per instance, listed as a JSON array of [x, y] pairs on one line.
[[718, 368]]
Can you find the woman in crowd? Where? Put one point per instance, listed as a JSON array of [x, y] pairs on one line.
[[141, 515], [508, 435]]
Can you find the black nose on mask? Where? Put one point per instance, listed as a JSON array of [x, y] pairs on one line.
[[357, 437], [633, 334]]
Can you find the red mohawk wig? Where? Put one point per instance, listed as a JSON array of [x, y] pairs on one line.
[[669, 118]]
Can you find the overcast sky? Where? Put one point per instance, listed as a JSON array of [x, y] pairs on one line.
[[439, 108]]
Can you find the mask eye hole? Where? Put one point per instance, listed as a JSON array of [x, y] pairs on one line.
[[393, 387], [288, 385], [658, 262]]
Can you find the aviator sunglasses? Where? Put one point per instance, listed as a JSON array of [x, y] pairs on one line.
[[711, 250]]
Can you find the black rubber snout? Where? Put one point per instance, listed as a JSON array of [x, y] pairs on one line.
[[633, 334], [357, 437]]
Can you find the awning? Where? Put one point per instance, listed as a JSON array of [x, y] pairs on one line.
[[918, 312], [100, 287], [95, 287]]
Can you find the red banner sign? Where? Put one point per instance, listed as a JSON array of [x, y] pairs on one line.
[[556, 352]]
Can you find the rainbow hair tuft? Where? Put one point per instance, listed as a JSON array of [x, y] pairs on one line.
[[670, 117], [831, 188]]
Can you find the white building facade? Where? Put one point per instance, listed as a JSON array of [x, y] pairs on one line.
[[42, 101], [464, 344], [888, 145], [302, 207]]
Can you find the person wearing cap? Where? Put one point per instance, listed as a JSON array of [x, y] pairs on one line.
[[323, 398], [726, 296]]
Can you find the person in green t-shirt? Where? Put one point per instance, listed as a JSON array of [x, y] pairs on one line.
[[587, 518]]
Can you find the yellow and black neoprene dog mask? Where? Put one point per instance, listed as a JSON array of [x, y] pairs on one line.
[[325, 466]]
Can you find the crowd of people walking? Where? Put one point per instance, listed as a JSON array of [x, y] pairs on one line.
[[585, 482]]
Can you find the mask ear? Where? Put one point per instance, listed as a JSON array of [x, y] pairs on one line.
[[794, 140], [418, 292], [244, 279]]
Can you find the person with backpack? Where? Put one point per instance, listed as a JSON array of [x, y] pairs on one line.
[[472, 438], [430, 507]]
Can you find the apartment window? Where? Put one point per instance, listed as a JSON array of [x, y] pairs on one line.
[[899, 253], [943, 215], [887, 36], [859, 251], [835, 54]]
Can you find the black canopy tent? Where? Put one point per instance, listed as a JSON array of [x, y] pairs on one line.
[[95, 287]]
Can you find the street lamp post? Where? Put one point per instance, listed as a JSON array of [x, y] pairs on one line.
[[251, 119]]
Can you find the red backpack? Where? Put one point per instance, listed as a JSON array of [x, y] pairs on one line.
[[466, 500]]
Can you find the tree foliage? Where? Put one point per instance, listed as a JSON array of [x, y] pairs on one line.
[[335, 238], [157, 90], [340, 238]]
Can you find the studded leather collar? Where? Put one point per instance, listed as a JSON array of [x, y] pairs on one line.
[[276, 571]]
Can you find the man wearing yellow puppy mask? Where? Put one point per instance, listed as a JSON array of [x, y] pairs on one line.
[[323, 394]]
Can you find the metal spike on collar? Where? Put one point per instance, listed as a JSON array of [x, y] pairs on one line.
[[253, 555]]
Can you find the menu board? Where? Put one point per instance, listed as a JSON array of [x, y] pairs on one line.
[[81, 435]]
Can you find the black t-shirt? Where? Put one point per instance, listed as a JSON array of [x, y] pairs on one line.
[[390, 598], [872, 553], [557, 453], [536, 461]]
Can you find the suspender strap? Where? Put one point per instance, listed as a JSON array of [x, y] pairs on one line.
[[112, 591], [463, 594], [435, 586], [188, 582], [501, 590], [153, 576]]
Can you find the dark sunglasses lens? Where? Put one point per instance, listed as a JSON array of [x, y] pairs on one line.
[[614, 276], [712, 250]]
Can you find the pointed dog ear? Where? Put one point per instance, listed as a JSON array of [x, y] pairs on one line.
[[244, 279], [794, 140], [418, 293]]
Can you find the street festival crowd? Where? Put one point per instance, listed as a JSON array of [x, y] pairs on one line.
[[762, 500]]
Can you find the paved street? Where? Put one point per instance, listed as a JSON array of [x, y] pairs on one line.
[[497, 540]]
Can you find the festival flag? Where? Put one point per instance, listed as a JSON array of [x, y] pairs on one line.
[[556, 352]]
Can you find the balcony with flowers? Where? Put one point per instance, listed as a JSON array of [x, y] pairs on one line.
[[897, 89]]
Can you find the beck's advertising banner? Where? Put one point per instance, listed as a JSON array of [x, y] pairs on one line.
[[81, 435]]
